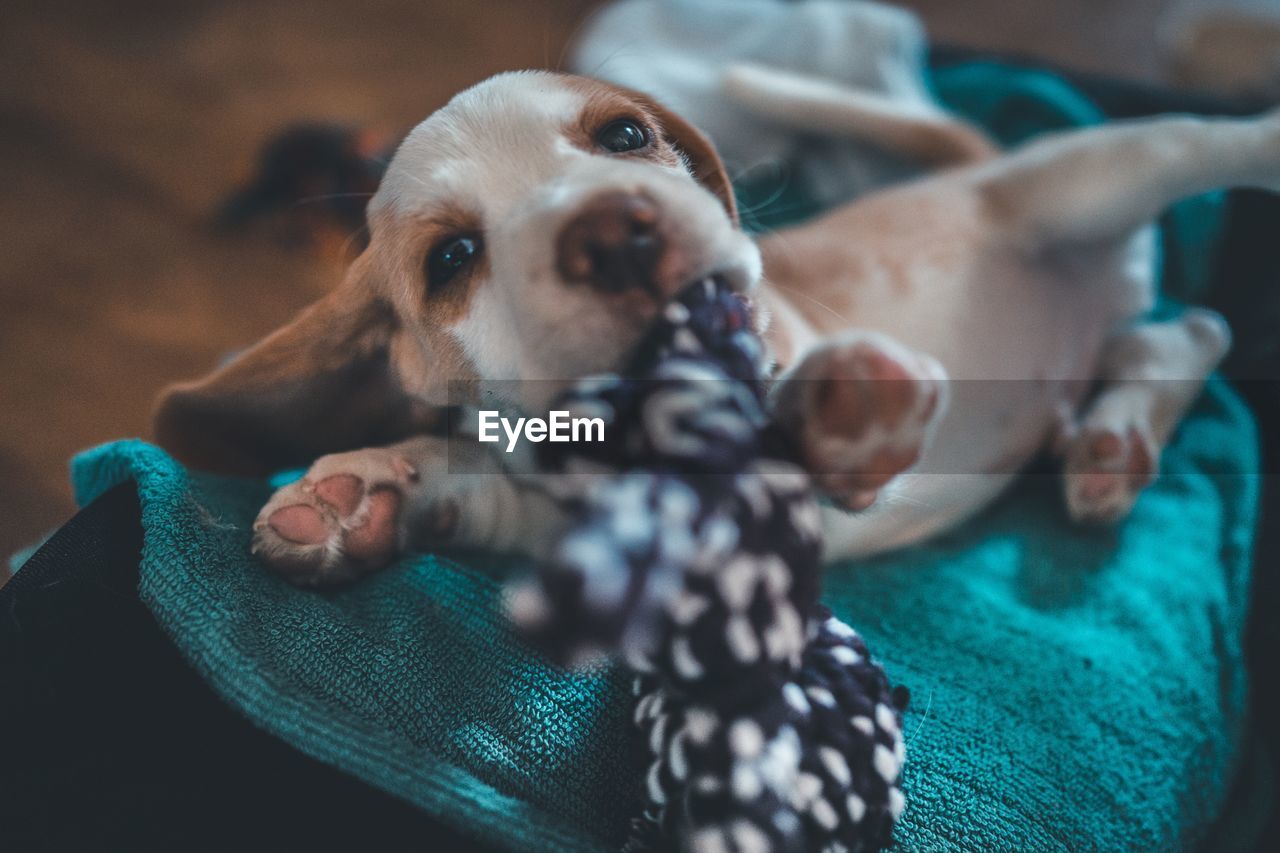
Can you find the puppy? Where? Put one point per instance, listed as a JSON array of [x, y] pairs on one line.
[[527, 232]]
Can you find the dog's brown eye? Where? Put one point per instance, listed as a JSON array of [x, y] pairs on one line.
[[449, 256], [623, 135]]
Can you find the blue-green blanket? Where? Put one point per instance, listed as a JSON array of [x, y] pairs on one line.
[[1070, 688]]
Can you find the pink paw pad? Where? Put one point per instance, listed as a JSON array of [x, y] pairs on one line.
[[375, 537], [300, 524], [335, 524], [1127, 454], [1109, 471], [872, 388], [869, 419], [343, 492]]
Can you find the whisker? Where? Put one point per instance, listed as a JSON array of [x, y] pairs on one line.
[[346, 244], [891, 497], [801, 207], [573, 36], [778, 164], [411, 176], [318, 198], [546, 44], [386, 165], [925, 716], [783, 240], [833, 312], [621, 51], [764, 203]]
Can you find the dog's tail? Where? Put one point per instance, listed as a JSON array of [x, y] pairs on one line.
[[919, 131]]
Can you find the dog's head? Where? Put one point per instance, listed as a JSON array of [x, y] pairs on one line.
[[529, 230]]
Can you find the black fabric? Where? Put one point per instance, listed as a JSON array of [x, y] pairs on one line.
[[108, 741]]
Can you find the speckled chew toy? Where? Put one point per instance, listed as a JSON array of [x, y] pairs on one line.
[[695, 552]]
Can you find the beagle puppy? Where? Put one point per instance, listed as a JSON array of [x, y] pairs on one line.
[[929, 338]]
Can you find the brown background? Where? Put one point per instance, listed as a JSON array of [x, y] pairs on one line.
[[122, 124]]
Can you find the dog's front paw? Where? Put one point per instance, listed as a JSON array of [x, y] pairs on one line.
[[863, 407], [1106, 468], [338, 522]]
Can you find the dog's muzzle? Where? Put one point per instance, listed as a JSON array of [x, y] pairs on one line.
[[613, 244]]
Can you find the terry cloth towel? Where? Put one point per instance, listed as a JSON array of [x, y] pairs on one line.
[[1070, 687]]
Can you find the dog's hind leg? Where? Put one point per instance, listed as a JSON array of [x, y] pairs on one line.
[[815, 105], [1150, 376], [1101, 184]]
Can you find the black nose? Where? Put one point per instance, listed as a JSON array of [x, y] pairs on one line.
[[613, 243]]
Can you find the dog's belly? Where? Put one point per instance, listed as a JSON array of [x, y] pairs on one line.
[[1020, 339]]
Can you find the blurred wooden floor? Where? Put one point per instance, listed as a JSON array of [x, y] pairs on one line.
[[122, 123]]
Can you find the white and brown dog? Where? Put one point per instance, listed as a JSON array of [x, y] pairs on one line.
[[531, 228]]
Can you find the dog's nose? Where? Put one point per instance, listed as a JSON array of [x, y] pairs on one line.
[[613, 243]]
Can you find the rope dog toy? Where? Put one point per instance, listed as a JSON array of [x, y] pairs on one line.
[[695, 553]]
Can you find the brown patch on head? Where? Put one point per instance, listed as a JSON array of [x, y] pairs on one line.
[[674, 139], [434, 367], [607, 103], [446, 301], [448, 304], [403, 250]]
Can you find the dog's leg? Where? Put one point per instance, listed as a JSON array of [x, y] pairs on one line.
[[1151, 374], [814, 105], [354, 512], [862, 406], [1103, 183]]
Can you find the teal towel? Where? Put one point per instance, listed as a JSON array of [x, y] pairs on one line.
[[1070, 687]]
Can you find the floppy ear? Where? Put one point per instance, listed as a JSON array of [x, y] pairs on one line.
[[323, 383], [704, 161]]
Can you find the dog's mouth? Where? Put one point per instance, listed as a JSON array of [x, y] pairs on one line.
[[731, 278], [709, 316], [735, 278]]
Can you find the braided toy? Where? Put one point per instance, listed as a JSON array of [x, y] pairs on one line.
[[695, 552]]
